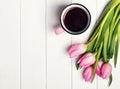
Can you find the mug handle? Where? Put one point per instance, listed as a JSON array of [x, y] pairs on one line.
[[59, 30]]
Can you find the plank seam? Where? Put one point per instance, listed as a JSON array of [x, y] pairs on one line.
[[71, 62], [96, 19], [46, 44], [20, 44]]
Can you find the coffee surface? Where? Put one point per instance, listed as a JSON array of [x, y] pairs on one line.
[[76, 19]]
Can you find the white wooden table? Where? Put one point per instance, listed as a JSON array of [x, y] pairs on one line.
[[32, 56]]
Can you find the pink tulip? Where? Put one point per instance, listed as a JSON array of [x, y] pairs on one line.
[[86, 60], [88, 73], [59, 30], [98, 71], [76, 50], [106, 71]]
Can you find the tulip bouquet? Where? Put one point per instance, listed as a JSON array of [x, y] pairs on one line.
[[101, 46]]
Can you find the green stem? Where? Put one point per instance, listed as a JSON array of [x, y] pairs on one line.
[[97, 59], [112, 3], [117, 44], [113, 40], [90, 44], [104, 24], [105, 41], [112, 23]]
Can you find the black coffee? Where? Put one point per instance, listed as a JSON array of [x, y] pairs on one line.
[[76, 19]]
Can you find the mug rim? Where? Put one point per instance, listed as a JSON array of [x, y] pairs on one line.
[[88, 22]]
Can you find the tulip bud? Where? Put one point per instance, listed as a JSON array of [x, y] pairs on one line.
[[86, 60], [88, 73], [98, 71], [59, 30], [76, 50], [106, 71]]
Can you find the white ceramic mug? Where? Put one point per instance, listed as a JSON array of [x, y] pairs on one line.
[[66, 10]]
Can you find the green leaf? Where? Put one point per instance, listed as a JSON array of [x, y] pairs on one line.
[[116, 13], [110, 80], [111, 5], [113, 40], [97, 59], [103, 27], [91, 46], [77, 66], [105, 41], [117, 46], [116, 53]]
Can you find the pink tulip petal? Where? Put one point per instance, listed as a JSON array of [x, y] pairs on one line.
[[59, 30], [88, 73], [106, 71], [76, 50], [86, 60], [83, 57], [87, 63], [98, 71], [74, 53], [73, 47], [108, 75]]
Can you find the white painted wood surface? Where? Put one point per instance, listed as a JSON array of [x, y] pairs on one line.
[[33, 36], [32, 56], [58, 71], [9, 44]]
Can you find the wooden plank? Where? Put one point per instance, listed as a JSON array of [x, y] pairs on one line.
[[78, 81], [33, 44], [58, 62], [103, 84], [9, 44]]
